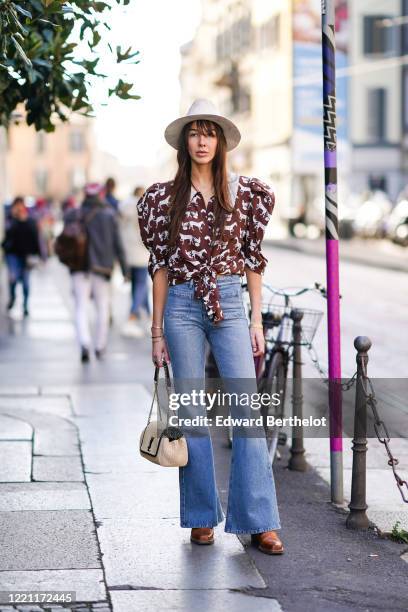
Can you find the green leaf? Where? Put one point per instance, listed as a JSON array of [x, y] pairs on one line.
[[43, 65], [42, 62], [21, 51], [100, 6], [23, 11], [122, 56], [122, 90], [96, 38], [54, 25]]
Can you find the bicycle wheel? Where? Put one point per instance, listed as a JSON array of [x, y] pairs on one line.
[[274, 383]]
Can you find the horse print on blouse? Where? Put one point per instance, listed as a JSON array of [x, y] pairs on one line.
[[196, 255]]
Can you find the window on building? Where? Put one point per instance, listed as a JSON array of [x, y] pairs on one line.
[[377, 182], [245, 32], [41, 181], [76, 141], [234, 40], [377, 115], [77, 178], [269, 33], [40, 136], [240, 100], [377, 38], [244, 100]]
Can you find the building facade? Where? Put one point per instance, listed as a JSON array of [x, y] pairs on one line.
[[376, 96], [239, 44], [261, 63], [51, 165]]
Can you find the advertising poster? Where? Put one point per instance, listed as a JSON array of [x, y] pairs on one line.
[[307, 72]]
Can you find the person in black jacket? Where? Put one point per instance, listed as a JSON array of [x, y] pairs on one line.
[[104, 246], [21, 240]]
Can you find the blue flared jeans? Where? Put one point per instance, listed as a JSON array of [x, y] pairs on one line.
[[252, 505]]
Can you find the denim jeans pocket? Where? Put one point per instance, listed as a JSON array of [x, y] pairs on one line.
[[230, 290], [178, 305], [231, 304]]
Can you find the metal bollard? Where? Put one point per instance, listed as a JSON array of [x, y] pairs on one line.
[[297, 459], [357, 518]]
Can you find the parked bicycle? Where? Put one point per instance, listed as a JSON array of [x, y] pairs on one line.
[[272, 367]]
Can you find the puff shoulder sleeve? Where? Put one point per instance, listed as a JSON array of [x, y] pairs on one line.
[[153, 223], [259, 212]]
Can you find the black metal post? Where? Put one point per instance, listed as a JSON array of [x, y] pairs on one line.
[[297, 459], [357, 518]]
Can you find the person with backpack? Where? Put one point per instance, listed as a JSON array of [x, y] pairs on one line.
[[21, 242], [89, 244]]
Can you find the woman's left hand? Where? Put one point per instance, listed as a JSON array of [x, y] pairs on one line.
[[257, 341]]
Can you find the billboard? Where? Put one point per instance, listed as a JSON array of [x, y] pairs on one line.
[[308, 89]]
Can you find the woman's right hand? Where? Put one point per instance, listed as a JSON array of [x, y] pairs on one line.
[[160, 352]]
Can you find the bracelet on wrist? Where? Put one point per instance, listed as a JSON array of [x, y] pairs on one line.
[[256, 325]]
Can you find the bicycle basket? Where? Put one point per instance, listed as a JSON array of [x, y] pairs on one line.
[[272, 317]]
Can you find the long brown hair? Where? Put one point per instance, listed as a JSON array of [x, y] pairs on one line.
[[180, 193]]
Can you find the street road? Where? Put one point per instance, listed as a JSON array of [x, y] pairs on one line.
[[374, 304]]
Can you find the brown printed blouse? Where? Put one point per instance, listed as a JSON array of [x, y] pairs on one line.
[[195, 256]]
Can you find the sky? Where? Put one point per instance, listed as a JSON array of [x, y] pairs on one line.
[[131, 130]]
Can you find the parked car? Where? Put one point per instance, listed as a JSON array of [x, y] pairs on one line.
[[396, 224], [347, 214], [371, 215]]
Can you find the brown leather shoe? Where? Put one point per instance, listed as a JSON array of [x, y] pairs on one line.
[[202, 535], [268, 542]]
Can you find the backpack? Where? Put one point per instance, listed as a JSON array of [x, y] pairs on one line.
[[71, 246]]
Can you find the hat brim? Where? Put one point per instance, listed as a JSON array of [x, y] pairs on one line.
[[231, 132]]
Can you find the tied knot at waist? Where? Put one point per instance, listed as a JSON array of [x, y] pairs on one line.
[[205, 288]]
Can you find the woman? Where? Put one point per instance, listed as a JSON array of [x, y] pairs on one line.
[[204, 231], [21, 240]]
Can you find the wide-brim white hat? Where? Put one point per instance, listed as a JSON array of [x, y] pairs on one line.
[[203, 109]]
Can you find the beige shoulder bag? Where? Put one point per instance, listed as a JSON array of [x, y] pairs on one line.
[[160, 443]]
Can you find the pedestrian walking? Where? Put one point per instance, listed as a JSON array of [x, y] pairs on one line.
[[111, 199], [92, 277], [20, 245], [204, 231], [109, 193], [137, 260]]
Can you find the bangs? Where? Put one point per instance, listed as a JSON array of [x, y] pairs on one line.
[[204, 126]]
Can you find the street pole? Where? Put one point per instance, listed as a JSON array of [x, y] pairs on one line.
[[332, 248]]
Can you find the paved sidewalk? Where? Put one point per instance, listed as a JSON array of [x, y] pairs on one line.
[[47, 525], [80, 510]]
